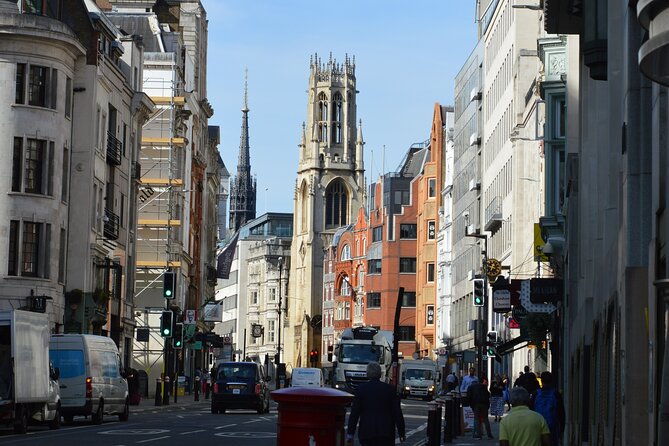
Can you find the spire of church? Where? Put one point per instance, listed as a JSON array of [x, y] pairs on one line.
[[243, 188]]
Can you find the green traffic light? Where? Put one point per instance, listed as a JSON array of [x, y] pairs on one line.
[[166, 331], [168, 293]]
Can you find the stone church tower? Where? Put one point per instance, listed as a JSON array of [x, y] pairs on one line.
[[243, 186], [329, 191]]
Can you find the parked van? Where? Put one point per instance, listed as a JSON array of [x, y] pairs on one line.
[[306, 377], [91, 379]]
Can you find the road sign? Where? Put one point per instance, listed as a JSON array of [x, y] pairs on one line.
[[512, 323], [501, 301]]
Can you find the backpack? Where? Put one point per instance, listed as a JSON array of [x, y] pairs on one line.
[[546, 404]]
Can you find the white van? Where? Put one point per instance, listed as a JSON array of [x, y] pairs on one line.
[[306, 377], [91, 379]]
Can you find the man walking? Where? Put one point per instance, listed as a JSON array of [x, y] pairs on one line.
[[377, 407], [521, 426], [479, 400]]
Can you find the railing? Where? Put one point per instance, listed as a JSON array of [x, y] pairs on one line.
[[114, 149], [112, 223]]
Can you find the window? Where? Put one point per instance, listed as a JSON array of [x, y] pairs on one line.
[[401, 197], [347, 311], [430, 272], [377, 234], [409, 299], [374, 266], [336, 205], [37, 86], [68, 97], [336, 118], [408, 231], [373, 300], [272, 295], [431, 230], [361, 278], [62, 250], [345, 289], [20, 94], [254, 297], [271, 329], [407, 265], [346, 253], [64, 186], [431, 187], [407, 334], [32, 166], [50, 8], [28, 249]]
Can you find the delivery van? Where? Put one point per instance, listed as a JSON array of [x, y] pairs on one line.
[[91, 379], [306, 377]]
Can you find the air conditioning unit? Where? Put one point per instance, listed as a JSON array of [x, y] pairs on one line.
[[474, 184], [474, 139], [474, 95], [472, 229]]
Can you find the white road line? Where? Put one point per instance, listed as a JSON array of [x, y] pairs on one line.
[[192, 432], [153, 439], [227, 425]]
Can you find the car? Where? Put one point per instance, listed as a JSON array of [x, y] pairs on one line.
[[240, 385]]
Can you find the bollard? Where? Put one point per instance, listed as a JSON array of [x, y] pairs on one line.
[[207, 388], [459, 426], [197, 389], [166, 391], [159, 398], [176, 388], [448, 418], [433, 423]]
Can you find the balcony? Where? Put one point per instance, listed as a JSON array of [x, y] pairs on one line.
[[114, 150], [112, 224], [654, 51], [493, 215]]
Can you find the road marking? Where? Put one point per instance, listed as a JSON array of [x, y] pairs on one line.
[[192, 432], [227, 425], [153, 439], [135, 432], [247, 434]]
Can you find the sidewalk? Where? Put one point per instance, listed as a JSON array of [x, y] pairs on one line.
[[182, 401], [466, 439]]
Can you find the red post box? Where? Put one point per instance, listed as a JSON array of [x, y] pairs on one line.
[[311, 415]]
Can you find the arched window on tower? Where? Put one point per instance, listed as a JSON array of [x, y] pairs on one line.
[[336, 205], [322, 107], [336, 118], [305, 207]]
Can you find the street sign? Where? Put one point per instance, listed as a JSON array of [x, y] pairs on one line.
[[512, 323], [501, 301], [545, 290]]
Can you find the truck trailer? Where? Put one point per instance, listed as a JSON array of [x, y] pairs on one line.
[[29, 389], [358, 347]]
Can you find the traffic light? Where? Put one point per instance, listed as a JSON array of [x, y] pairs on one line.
[[169, 284], [178, 336], [166, 324], [492, 337], [479, 292], [330, 352], [313, 356]]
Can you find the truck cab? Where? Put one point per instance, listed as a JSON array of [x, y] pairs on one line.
[[358, 347]]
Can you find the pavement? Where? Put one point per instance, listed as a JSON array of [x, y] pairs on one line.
[[147, 404]]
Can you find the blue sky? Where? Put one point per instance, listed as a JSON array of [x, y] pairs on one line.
[[407, 55]]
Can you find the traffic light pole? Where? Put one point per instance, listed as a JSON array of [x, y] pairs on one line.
[[482, 314]]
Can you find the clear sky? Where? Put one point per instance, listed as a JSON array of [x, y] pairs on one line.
[[407, 55]]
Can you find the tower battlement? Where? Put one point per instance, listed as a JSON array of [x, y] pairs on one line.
[[331, 70]]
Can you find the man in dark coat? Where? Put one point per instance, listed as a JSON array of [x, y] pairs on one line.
[[377, 407], [479, 400]]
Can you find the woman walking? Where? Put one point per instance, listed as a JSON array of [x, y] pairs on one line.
[[496, 401]]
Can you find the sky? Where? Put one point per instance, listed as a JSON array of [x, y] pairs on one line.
[[407, 56]]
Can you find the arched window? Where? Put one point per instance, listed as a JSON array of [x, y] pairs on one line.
[[346, 253], [322, 107], [336, 118], [336, 204], [304, 196], [345, 289]]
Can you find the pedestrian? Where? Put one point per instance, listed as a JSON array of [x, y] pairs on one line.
[[549, 403], [496, 400], [479, 400], [451, 381], [522, 426], [467, 380], [505, 392], [528, 380], [377, 407]]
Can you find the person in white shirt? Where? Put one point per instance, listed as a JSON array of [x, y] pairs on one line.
[[467, 380]]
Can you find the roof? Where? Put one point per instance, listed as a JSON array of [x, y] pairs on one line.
[[138, 24]]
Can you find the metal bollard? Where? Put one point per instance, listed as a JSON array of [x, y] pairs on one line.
[[207, 389], [457, 408], [176, 388], [197, 388], [166, 391], [159, 388], [448, 419], [433, 423]]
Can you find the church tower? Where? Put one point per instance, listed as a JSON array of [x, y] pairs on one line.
[[243, 187], [329, 191]]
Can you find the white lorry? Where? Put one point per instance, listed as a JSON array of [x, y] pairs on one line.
[[419, 378], [358, 347], [28, 387]]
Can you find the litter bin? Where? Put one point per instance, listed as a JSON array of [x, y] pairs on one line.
[[181, 386], [311, 416]]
